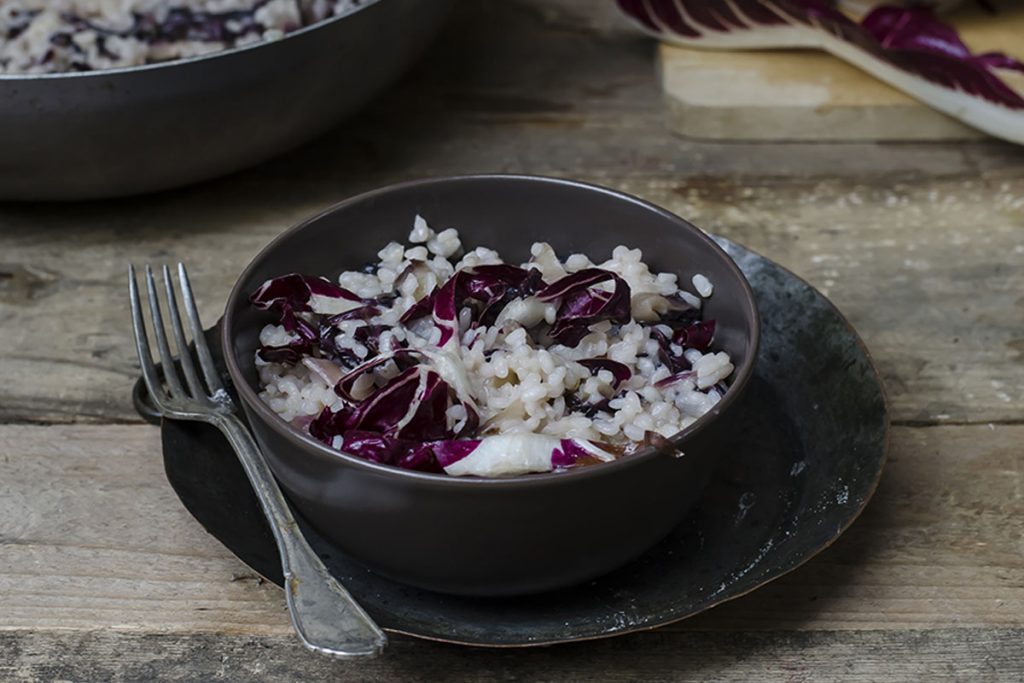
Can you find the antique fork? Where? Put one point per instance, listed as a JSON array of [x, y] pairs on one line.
[[325, 616]]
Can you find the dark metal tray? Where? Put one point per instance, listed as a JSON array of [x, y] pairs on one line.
[[810, 440]]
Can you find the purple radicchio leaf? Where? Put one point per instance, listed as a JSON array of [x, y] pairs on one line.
[[491, 285], [404, 358], [570, 453], [680, 312], [411, 405], [674, 362], [369, 336], [423, 456], [697, 336], [471, 424], [307, 338], [412, 455], [429, 420], [677, 377], [917, 28], [567, 454], [294, 293], [584, 305], [450, 452], [287, 355], [418, 446], [620, 371], [329, 424], [574, 404], [445, 310], [362, 313], [908, 47]]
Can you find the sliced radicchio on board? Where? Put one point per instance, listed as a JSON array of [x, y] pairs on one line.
[[908, 47], [584, 304]]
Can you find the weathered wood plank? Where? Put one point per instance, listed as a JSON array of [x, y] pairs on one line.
[[930, 272], [818, 657], [945, 350], [93, 537]]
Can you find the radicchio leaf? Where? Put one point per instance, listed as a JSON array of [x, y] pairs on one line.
[[489, 285], [917, 28], [369, 336], [329, 424], [306, 340], [620, 371], [583, 305], [674, 362], [410, 455], [345, 385], [697, 336], [450, 452], [677, 377], [906, 46], [412, 405], [362, 313], [680, 312], [286, 355], [568, 454], [429, 421], [296, 293]]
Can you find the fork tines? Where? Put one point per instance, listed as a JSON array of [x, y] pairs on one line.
[[172, 387]]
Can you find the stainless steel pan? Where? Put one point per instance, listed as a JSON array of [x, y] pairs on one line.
[[128, 131]]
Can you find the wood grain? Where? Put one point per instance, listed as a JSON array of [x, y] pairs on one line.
[[93, 537], [819, 657], [104, 575], [779, 95], [854, 219], [930, 272]]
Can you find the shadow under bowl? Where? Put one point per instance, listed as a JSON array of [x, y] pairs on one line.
[[477, 536]]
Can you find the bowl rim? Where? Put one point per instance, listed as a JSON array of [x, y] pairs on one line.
[[305, 442], [170, 64]]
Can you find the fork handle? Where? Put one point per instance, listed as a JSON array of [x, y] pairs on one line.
[[326, 617]]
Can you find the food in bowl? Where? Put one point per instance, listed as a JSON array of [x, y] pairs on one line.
[[442, 359], [49, 36]]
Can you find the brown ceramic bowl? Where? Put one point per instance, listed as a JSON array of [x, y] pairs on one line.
[[514, 535]]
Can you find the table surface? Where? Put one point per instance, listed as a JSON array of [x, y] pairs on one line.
[[104, 576]]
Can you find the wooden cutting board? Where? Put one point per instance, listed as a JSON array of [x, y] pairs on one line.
[[807, 95]]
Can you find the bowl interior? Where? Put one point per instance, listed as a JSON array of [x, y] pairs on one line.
[[508, 214]]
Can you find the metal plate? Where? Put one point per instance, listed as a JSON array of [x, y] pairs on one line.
[[810, 440]]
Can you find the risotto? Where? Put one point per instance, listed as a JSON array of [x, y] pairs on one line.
[[40, 36], [446, 359]]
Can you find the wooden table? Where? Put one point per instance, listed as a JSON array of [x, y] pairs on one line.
[[104, 576]]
